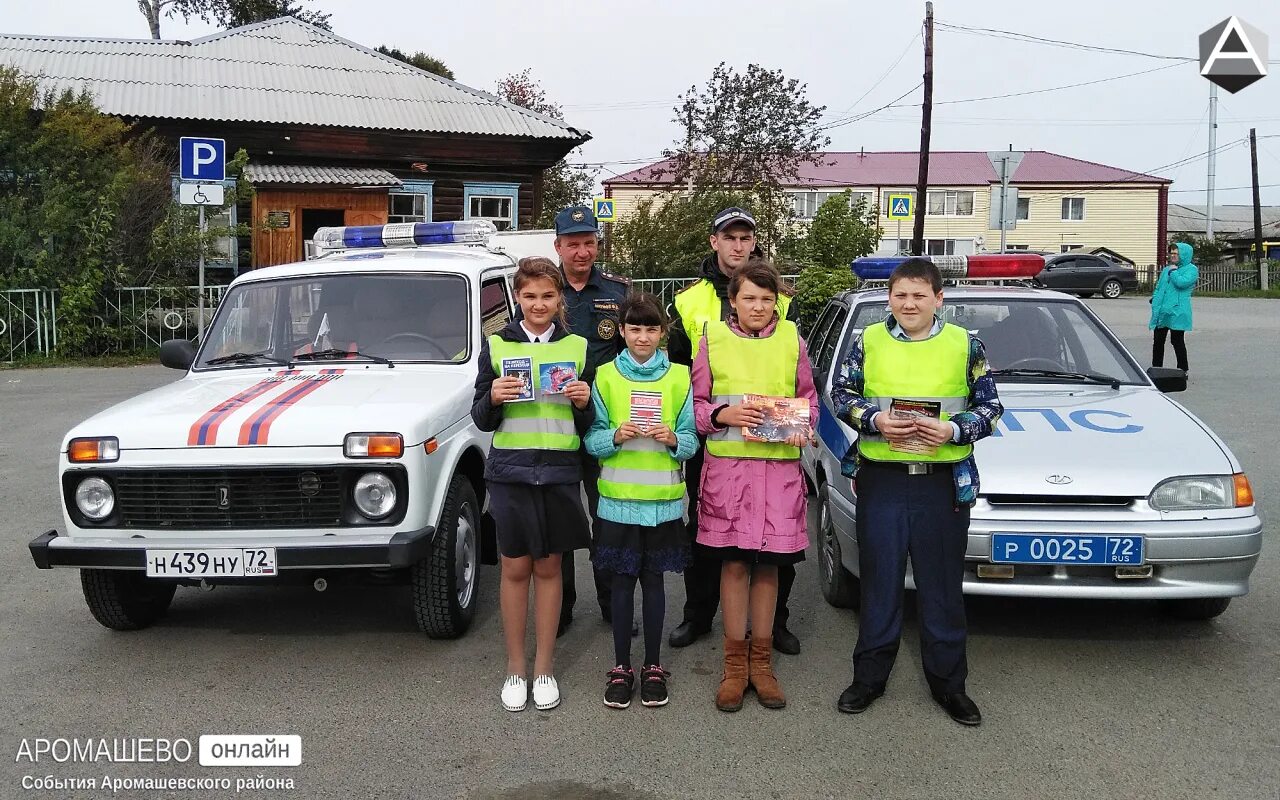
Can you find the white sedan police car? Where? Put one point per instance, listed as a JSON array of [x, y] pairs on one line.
[[1096, 483], [322, 430]]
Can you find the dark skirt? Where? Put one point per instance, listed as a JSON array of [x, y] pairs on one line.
[[538, 521], [752, 557], [628, 549]]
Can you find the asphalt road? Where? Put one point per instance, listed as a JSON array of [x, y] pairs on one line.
[[1081, 699]]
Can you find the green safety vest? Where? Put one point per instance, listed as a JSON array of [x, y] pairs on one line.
[[546, 421], [742, 365], [642, 469], [934, 369], [699, 304]]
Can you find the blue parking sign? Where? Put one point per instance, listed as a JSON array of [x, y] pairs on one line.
[[202, 159]]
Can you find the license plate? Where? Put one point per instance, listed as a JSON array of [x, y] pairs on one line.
[[1027, 548], [221, 563]]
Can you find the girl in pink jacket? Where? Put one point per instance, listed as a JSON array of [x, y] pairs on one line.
[[751, 510]]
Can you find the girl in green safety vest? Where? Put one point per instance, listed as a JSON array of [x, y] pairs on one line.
[[751, 507], [643, 431], [534, 472]]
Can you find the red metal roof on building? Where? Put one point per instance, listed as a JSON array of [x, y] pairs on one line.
[[945, 169]]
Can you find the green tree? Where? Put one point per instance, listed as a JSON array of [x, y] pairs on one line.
[[666, 236], [1207, 252], [750, 132], [563, 184], [228, 13], [424, 62], [839, 233]]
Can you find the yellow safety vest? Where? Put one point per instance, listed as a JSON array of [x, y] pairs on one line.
[[698, 304], [933, 370], [642, 469], [546, 422], [742, 365]]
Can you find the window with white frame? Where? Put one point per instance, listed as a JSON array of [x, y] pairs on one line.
[[495, 202], [932, 247], [406, 207], [1073, 209], [1012, 247], [806, 203], [951, 203], [1024, 208]]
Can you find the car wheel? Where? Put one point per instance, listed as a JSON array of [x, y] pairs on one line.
[[124, 600], [1197, 608], [840, 588], [446, 581], [1111, 289]]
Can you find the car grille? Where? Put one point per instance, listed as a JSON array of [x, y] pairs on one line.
[[242, 498]]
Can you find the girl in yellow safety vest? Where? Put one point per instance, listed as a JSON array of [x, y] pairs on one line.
[[643, 431], [534, 472], [751, 508]]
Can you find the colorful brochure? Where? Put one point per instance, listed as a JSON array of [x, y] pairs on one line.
[[646, 409], [521, 368], [555, 375], [783, 417]]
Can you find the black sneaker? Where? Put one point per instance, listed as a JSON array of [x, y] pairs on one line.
[[653, 686], [622, 683]]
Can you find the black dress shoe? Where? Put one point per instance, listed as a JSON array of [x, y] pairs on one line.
[[784, 641], [857, 698], [960, 707], [686, 633]]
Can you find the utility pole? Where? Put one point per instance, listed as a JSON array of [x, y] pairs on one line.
[[1264, 280], [1213, 158], [926, 121]]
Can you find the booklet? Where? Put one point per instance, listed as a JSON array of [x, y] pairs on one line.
[[521, 368], [646, 409], [783, 416], [905, 409], [553, 376]]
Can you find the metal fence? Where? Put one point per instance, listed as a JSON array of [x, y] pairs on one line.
[[1215, 279], [126, 319], [666, 288]]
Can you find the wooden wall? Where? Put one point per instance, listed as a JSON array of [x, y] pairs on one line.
[[283, 245]]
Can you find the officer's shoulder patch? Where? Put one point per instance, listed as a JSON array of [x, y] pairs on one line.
[[610, 276], [693, 285]]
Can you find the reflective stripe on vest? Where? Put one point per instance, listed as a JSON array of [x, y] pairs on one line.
[[642, 469], [934, 369], [699, 304], [742, 365], [546, 422]]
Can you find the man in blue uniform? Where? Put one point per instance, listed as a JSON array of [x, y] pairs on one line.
[[592, 298]]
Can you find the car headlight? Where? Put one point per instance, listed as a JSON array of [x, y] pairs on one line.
[[95, 499], [374, 495], [1202, 492]]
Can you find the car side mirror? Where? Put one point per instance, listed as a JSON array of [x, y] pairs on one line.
[[1168, 379], [177, 354]]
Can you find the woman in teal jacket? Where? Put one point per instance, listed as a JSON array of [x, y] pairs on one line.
[[1171, 304]]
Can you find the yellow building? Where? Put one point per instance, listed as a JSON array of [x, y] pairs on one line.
[[1063, 203]]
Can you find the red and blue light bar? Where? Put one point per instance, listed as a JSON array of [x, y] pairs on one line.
[[470, 231], [994, 266]]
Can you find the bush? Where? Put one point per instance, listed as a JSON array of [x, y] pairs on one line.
[[817, 285]]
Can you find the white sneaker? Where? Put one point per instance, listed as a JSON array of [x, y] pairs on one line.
[[546, 693], [515, 693]]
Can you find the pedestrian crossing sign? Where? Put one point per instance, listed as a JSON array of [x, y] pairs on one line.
[[604, 209], [900, 206]]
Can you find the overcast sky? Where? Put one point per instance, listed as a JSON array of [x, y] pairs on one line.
[[617, 67]]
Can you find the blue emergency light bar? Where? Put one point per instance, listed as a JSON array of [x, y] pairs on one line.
[[471, 231], [994, 266]]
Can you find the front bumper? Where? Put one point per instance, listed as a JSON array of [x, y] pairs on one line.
[[400, 550]]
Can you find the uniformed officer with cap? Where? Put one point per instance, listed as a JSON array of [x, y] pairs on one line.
[[592, 298]]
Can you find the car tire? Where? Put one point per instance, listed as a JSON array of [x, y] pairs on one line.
[[1196, 608], [125, 600], [840, 588], [446, 582], [1111, 289]]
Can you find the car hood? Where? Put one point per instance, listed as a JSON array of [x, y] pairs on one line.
[[309, 406], [1093, 441]]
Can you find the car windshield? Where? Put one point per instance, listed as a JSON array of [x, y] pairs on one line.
[[1033, 340], [369, 317]]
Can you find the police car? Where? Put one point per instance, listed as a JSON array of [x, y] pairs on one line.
[[1096, 484], [322, 430]]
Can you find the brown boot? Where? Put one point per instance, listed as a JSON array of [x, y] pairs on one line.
[[734, 683], [761, 674]]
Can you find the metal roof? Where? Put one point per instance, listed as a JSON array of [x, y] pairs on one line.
[[1228, 220], [945, 169], [259, 174], [279, 71]]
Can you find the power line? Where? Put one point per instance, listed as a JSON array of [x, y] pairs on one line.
[[850, 120], [1057, 88], [880, 80]]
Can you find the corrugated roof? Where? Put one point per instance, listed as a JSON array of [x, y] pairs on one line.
[[280, 71], [1227, 220], [946, 168], [259, 174]]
